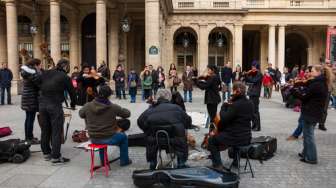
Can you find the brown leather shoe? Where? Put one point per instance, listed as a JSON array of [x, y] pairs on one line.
[[292, 138]]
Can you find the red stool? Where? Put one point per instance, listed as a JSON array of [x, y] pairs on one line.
[[93, 147]]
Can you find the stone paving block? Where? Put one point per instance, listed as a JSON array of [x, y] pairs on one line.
[[24, 180]]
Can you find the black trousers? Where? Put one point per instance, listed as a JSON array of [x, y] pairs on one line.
[[29, 124], [256, 116], [325, 110], [212, 111], [8, 89], [215, 146], [51, 120]]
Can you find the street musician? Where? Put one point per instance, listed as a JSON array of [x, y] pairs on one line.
[[234, 128]]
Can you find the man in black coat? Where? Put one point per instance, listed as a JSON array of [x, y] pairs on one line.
[[235, 124], [254, 81], [54, 83], [164, 113], [6, 77], [119, 78]]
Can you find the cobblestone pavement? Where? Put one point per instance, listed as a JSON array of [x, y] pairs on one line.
[[283, 170]]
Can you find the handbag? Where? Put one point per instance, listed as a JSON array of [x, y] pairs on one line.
[[133, 83], [5, 131]]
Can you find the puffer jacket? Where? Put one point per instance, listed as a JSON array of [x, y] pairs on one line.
[[162, 114], [30, 92]]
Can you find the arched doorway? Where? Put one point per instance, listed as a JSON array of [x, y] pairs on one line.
[[220, 44], [185, 48], [89, 40], [296, 51]]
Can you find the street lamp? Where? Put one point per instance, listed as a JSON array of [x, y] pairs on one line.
[[124, 23], [185, 40], [33, 27]]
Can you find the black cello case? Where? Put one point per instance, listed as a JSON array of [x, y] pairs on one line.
[[196, 177]]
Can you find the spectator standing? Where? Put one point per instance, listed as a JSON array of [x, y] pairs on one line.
[[237, 75], [267, 83], [147, 84], [173, 80], [155, 79], [272, 73], [119, 78], [30, 73], [187, 79], [161, 77], [6, 77], [226, 78], [133, 81], [142, 79], [333, 91]]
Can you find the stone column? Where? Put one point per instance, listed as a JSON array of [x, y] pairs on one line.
[[203, 49], [281, 48], [263, 49], [55, 30], [152, 29], [238, 45], [74, 40], [101, 40], [271, 44], [114, 40], [12, 39], [37, 38], [3, 40]]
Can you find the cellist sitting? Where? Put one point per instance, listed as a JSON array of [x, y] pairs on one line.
[[234, 128]]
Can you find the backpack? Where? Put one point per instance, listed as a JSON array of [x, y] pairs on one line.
[[14, 150], [262, 148]]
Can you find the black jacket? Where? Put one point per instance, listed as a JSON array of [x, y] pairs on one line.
[[120, 78], [53, 85], [313, 99], [211, 86], [30, 92], [161, 114], [6, 77], [226, 75], [236, 122], [254, 82]]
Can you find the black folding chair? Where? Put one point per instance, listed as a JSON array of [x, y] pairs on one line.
[[163, 139]]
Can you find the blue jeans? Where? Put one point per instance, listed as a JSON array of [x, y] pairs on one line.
[[228, 85], [299, 128], [118, 139], [186, 94], [29, 124], [333, 98], [309, 146]]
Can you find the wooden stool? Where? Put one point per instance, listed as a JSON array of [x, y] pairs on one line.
[[106, 163]]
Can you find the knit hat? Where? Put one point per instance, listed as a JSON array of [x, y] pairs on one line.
[[104, 91], [255, 64]]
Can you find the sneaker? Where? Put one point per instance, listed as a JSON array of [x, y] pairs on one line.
[[322, 127], [33, 141], [60, 161], [47, 157], [292, 138]]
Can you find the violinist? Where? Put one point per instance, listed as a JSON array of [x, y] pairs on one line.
[[211, 84], [234, 128], [253, 79], [88, 81]]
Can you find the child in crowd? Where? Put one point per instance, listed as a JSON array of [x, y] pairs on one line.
[[133, 80], [267, 83]]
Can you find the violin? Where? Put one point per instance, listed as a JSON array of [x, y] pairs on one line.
[[213, 131], [301, 82], [250, 73]]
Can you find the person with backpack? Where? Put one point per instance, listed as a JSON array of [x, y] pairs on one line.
[[119, 78], [133, 80]]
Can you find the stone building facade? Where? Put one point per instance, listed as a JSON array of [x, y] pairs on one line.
[[161, 32]]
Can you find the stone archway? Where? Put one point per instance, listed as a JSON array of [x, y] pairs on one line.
[[89, 40], [185, 48], [220, 47], [296, 50]]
